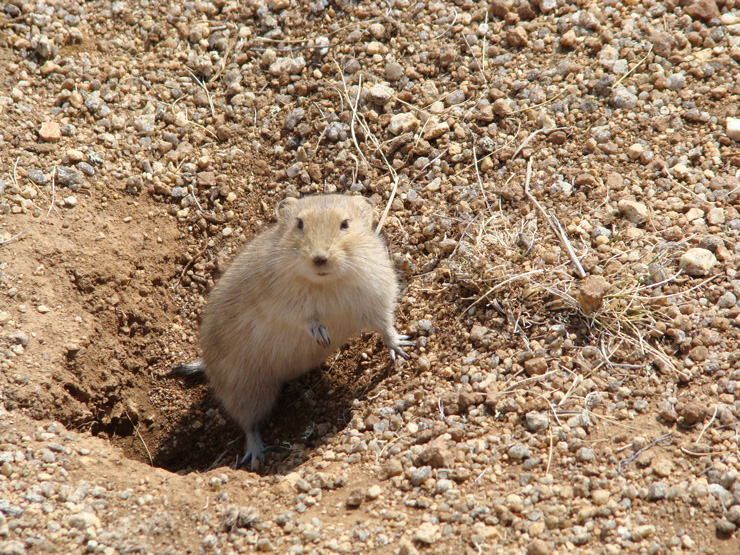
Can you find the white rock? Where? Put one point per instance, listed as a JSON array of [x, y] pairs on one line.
[[642, 532], [728, 300], [697, 262], [608, 56], [620, 66], [407, 548], [548, 5], [600, 497], [427, 533], [75, 155], [243, 99], [477, 333], [291, 66], [181, 119], [680, 170], [380, 94], [514, 502], [733, 128], [716, 216], [694, 214], [83, 520], [437, 107], [375, 47], [634, 211], [12, 548], [635, 151], [374, 492], [403, 123]]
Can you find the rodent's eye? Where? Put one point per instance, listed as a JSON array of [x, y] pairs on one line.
[[299, 225], [344, 224]]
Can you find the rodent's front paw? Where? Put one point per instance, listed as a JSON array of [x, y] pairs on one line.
[[320, 334], [403, 341]]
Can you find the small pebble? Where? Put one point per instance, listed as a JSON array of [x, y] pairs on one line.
[[697, 262], [733, 128], [393, 71], [37, 177], [86, 168], [50, 132], [427, 533], [68, 177], [635, 212], [403, 123]]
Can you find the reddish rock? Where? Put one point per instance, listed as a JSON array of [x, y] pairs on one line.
[[703, 10], [535, 366], [392, 467], [525, 10], [591, 293], [498, 8], [517, 37], [699, 354], [585, 180], [438, 455], [693, 413]]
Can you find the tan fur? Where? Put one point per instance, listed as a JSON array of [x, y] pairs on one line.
[[269, 314]]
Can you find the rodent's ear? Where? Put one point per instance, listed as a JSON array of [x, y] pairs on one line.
[[284, 209], [367, 209]]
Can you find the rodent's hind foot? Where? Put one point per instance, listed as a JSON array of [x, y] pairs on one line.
[[403, 341], [254, 451], [320, 333], [195, 368]]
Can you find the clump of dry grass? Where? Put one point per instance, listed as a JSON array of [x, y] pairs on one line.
[[501, 262]]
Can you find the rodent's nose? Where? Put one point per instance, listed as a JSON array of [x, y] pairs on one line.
[[319, 260]]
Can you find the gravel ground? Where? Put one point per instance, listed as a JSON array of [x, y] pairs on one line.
[[563, 195]]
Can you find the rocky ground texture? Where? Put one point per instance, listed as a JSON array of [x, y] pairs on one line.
[[562, 195]]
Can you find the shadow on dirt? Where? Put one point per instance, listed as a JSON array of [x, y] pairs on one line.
[[308, 410]]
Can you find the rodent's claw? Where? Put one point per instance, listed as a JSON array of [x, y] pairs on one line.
[[320, 334], [399, 350], [405, 341], [254, 451], [395, 344]]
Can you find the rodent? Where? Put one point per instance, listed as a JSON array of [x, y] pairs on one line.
[[291, 297]]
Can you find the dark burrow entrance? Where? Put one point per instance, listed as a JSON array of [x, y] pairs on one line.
[[174, 422]]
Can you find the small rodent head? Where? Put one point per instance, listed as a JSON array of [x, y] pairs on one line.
[[321, 234]]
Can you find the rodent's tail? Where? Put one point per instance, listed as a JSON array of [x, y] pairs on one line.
[[195, 368]]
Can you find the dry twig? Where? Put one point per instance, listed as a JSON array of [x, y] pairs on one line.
[[53, 181], [641, 451], [13, 237], [203, 85], [554, 225]]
